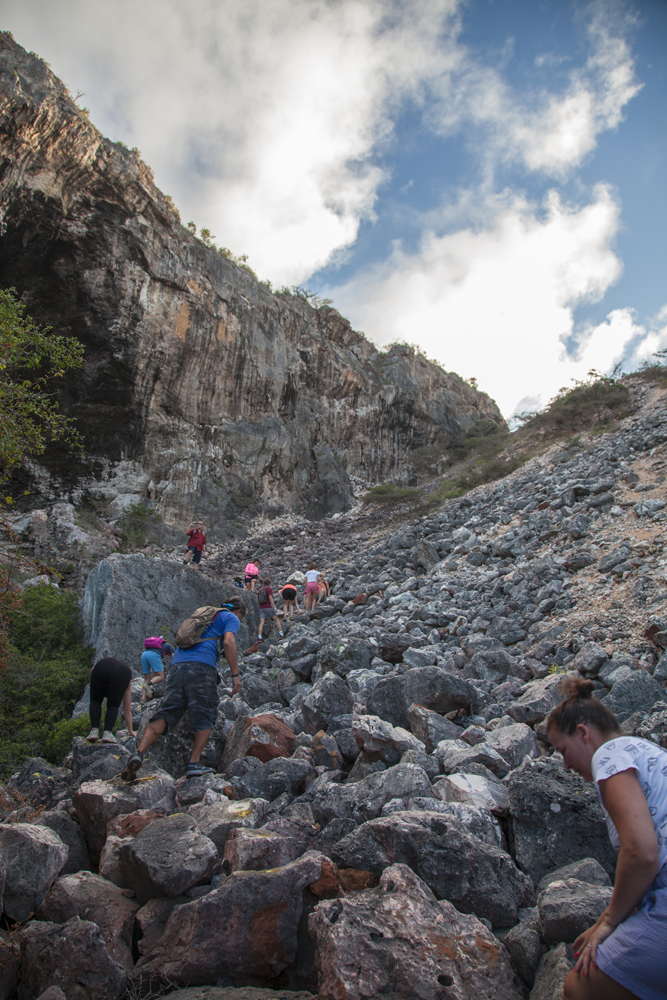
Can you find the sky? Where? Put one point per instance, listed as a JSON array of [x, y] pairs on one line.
[[482, 178]]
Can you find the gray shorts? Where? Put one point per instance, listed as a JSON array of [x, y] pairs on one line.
[[192, 686], [267, 613]]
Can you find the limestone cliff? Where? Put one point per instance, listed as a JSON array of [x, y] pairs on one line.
[[200, 387]]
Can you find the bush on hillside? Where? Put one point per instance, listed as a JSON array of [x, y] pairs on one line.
[[595, 400], [47, 669]]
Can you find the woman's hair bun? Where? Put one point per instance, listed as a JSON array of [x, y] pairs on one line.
[[577, 687]]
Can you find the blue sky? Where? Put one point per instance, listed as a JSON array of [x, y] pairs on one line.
[[485, 179]]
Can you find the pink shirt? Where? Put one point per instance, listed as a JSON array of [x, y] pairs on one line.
[[251, 570]]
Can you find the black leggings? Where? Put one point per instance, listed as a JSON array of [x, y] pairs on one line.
[[109, 679]]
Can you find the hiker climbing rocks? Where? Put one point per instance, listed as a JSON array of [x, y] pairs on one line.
[[290, 599], [152, 665], [623, 955], [251, 575], [313, 576], [267, 607], [323, 589], [193, 681], [111, 679], [196, 543]]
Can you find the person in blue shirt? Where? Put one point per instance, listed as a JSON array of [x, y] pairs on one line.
[[192, 685], [152, 668]]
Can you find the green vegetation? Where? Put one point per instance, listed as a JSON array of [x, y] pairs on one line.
[[137, 527], [388, 493], [653, 371], [47, 669], [594, 401], [30, 356]]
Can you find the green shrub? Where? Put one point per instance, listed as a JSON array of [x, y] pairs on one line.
[[389, 493], [59, 741], [47, 669], [594, 401], [47, 623]]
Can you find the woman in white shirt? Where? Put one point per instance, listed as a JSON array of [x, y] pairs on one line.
[[312, 589], [624, 954]]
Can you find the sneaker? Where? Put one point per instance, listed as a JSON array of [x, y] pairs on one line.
[[93, 736], [109, 738], [281, 635], [197, 769], [132, 766]]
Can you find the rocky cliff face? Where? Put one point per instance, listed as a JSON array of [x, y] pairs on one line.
[[200, 388]]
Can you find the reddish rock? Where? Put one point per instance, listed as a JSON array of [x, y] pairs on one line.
[[354, 880], [327, 885], [130, 824], [389, 940], [91, 897], [263, 736], [247, 927]]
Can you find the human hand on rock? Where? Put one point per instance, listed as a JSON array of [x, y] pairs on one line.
[[586, 946], [236, 686]]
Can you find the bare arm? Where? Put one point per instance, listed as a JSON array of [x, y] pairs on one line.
[[229, 649], [127, 709], [638, 859]]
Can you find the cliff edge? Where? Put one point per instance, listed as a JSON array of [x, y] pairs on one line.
[[201, 389]]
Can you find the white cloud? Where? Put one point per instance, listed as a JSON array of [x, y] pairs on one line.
[[267, 122], [262, 120], [497, 301]]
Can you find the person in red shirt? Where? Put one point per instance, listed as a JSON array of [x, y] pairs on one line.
[[196, 543], [267, 607]]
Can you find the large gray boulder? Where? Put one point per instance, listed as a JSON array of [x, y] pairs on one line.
[[91, 897], [568, 907], [247, 927], [31, 857], [98, 802], [514, 743], [128, 597], [72, 956], [551, 974], [217, 820], [537, 700], [71, 835], [431, 687], [168, 857], [476, 876], [329, 698], [398, 941], [637, 693], [555, 818], [365, 799]]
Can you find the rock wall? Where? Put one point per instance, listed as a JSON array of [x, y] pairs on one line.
[[201, 389], [130, 597]]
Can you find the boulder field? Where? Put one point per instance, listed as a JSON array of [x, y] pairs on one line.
[[385, 816]]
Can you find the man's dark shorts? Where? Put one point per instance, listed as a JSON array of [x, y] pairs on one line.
[[196, 553], [192, 686]]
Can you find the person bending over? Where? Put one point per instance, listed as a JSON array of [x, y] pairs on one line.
[[251, 575], [196, 543], [624, 954], [312, 589], [111, 679], [290, 599], [152, 666], [192, 684], [267, 607]]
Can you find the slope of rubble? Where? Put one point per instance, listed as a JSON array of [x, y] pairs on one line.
[[386, 817]]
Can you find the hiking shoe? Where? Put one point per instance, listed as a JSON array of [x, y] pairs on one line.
[[132, 766], [197, 769], [93, 736], [109, 738], [281, 635]]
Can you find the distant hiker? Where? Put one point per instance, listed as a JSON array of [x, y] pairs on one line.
[[110, 679], [290, 599], [152, 666], [196, 542], [623, 955], [251, 575], [267, 606], [323, 589], [238, 582], [193, 681], [313, 576]]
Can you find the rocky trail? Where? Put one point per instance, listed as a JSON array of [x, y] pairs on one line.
[[386, 817]]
